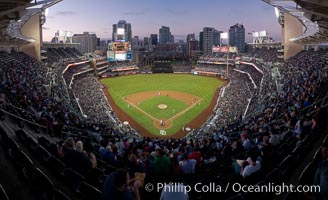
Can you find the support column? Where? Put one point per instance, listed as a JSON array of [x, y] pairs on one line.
[[292, 28], [32, 28]]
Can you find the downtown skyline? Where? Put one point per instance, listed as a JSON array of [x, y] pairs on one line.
[[147, 17]]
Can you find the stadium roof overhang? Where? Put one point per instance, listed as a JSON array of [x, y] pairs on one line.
[[313, 14], [14, 14]]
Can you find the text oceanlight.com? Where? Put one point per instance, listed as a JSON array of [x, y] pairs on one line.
[[235, 187]]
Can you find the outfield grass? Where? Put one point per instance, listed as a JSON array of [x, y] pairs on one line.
[[203, 87], [151, 107]]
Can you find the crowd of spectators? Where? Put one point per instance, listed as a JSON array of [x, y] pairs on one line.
[[91, 98], [55, 54], [70, 71], [219, 69], [217, 57], [23, 84], [236, 97], [266, 54], [182, 68]]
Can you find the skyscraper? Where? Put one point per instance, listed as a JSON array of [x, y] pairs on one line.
[[216, 39], [135, 40], [171, 39], [165, 35], [237, 37], [208, 39], [192, 44], [146, 41], [154, 39], [191, 36], [201, 41], [88, 42], [122, 31]]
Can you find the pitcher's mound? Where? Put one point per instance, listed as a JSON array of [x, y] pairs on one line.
[[162, 106]]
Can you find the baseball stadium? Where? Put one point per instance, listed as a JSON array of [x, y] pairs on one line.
[[208, 116]]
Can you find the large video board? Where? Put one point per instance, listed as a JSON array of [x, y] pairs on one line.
[[120, 56], [129, 55], [110, 56], [120, 31]]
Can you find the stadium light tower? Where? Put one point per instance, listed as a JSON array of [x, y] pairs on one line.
[[224, 36], [227, 68]]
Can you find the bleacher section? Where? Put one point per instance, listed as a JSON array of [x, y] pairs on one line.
[[118, 69], [55, 54]]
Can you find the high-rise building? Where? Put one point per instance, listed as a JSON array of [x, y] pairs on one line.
[[122, 31], [154, 39], [135, 40], [217, 38], [165, 35], [201, 42], [146, 41], [237, 37], [191, 36], [171, 39], [208, 39], [88, 42], [192, 44]]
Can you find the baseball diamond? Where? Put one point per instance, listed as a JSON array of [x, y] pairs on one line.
[[186, 101]]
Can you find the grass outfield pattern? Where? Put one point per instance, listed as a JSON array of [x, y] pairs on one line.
[[203, 87], [151, 107]]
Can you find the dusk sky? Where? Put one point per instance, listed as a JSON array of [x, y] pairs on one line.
[[147, 16]]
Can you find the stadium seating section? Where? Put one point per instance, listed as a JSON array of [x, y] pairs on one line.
[[47, 112]]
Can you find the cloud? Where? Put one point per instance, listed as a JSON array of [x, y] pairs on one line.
[[177, 12], [134, 13], [66, 12]]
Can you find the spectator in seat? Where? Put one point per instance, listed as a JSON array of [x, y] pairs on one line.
[[187, 165], [133, 160], [246, 142], [174, 191], [79, 146], [176, 168], [74, 159], [2, 99], [253, 166], [298, 128], [265, 151], [274, 139], [307, 125], [162, 163], [148, 163], [119, 186], [108, 155], [321, 176], [195, 155]]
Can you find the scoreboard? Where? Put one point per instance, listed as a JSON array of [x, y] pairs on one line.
[[120, 46], [119, 51]]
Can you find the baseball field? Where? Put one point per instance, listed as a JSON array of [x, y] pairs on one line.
[[162, 104]]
